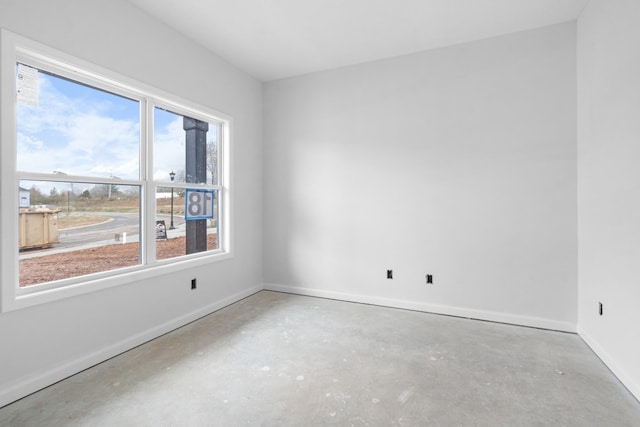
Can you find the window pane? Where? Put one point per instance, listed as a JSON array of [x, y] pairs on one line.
[[195, 161], [73, 229], [67, 126], [176, 236]]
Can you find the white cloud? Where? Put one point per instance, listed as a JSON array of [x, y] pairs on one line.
[[28, 143], [168, 149], [82, 131], [79, 135]]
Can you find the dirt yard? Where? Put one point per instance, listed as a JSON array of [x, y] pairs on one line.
[[47, 268]]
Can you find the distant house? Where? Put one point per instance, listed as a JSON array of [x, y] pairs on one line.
[[24, 200]]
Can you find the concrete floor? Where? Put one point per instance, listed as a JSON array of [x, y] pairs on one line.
[[276, 359]]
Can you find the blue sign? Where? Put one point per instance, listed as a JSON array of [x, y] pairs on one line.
[[198, 204]]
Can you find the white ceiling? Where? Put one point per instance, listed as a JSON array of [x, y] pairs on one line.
[[273, 39]]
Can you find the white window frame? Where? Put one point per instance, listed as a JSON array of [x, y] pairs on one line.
[[15, 49]]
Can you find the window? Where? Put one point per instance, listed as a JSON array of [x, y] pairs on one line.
[[102, 177], [186, 154]]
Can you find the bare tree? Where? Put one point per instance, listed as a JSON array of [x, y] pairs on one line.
[[212, 160]]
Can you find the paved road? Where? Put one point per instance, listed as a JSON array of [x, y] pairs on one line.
[[120, 223], [102, 234]]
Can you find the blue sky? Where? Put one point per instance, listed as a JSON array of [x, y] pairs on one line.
[[80, 130]]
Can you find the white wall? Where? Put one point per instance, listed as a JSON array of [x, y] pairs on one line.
[[609, 183], [459, 162], [43, 344]]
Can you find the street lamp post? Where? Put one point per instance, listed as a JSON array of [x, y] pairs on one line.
[[172, 174]]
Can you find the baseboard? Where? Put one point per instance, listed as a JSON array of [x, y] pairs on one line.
[[621, 374], [32, 383], [491, 316]]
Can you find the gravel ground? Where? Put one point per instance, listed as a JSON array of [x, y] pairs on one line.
[[104, 258]]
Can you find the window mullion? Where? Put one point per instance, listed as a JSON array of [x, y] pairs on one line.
[[149, 188]]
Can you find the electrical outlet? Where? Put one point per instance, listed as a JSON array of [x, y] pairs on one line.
[[600, 311], [429, 279], [389, 274], [193, 284]]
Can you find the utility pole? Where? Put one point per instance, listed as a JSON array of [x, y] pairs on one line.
[[196, 162]]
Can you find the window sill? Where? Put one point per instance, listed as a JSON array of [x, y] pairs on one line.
[[34, 295]]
